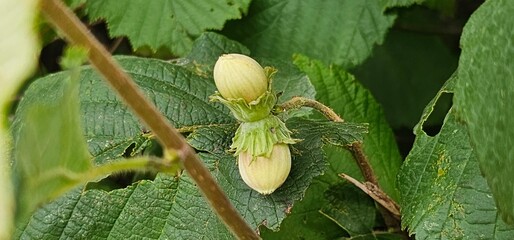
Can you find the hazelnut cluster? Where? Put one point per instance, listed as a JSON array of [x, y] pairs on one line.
[[261, 141]]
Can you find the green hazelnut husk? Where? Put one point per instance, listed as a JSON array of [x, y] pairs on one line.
[[258, 138]]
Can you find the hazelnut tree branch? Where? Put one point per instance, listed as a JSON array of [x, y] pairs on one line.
[[356, 150], [298, 102], [63, 19]]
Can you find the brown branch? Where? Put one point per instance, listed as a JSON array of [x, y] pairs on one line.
[[298, 102], [68, 24], [377, 194], [363, 163]]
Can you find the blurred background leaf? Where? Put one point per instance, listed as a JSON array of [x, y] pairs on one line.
[[405, 73], [49, 147], [340, 32], [161, 23]]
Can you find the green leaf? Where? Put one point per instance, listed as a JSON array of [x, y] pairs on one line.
[[484, 96], [443, 195], [446, 7], [340, 32], [351, 209], [305, 221], [162, 23], [399, 3], [169, 207], [50, 151], [402, 78], [110, 128], [74, 57], [18, 47], [333, 133], [339, 90]]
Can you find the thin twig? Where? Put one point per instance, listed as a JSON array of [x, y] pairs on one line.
[[298, 102], [115, 45], [377, 194], [363, 163], [356, 149], [68, 23]]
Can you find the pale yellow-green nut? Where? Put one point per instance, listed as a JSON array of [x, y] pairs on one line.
[[239, 76], [265, 175]]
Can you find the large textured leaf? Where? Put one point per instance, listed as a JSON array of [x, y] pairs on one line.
[[163, 23], [110, 127], [339, 90], [443, 195], [336, 31], [171, 207], [485, 94], [18, 47]]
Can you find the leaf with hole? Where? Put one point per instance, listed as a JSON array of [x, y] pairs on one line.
[[443, 195]]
